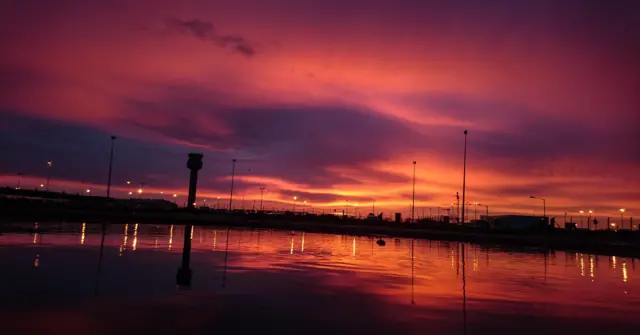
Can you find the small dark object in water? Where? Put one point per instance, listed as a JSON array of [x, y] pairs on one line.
[[381, 242]]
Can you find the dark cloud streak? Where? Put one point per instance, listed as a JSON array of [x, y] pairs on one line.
[[204, 30]]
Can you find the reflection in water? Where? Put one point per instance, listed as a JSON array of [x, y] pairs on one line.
[[353, 249], [413, 276], [226, 255], [464, 292], [183, 277], [35, 237], [97, 285], [170, 236], [377, 278], [135, 237], [291, 251], [84, 229]]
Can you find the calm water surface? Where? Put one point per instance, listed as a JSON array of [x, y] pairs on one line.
[[247, 281]]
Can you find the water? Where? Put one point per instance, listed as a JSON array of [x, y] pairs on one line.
[[296, 283]]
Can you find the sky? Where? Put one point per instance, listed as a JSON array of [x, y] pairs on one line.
[[328, 101]]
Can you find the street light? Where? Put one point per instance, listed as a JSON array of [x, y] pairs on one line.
[[464, 174], [113, 140], [475, 210], [294, 204], [544, 204], [413, 197], [622, 210], [88, 190], [49, 165], [233, 175], [581, 218], [589, 220], [261, 198], [487, 207]]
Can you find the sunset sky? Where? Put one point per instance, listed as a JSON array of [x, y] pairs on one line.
[[329, 100]]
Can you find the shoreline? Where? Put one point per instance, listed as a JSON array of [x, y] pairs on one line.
[[605, 242]]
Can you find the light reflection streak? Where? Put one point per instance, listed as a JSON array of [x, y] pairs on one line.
[[155, 244], [625, 277], [302, 248], [582, 265], [613, 262], [135, 237], [191, 235], [35, 238], [353, 249], [170, 236], [291, 252], [215, 238], [36, 261], [591, 272], [84, 228]]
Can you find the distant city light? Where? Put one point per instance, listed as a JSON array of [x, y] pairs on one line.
[[88, 190], [175, 195], [128, 182], [622, 210], [41, 185], [130, 193], [139, 190]]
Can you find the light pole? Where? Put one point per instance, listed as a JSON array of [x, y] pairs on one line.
[[475, 210], [413, 196], [233, 174], [294, 204], [217, 202], [622, 210], [581, 218], [464, 174], [261, 198], [589, 220], [113, 140], [458, 206], [49, 165], [544, 205], [88, 191], [174, 198], [373, 207], [487, 207]]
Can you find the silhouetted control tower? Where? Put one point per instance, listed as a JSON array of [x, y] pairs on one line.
[[194, 164]]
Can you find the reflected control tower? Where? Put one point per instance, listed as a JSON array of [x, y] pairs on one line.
[[194, 164]]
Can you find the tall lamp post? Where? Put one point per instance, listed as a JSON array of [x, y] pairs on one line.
[[464, 174], [413, 196], [622, 210], [233, 175], [544, 204], [113, 140], [487, 207], [261, 198], [581, 218], [295, 198], [49, 165], [589, 220]]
